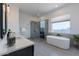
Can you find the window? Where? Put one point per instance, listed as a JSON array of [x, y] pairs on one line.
[[42, 24], [61, 27]]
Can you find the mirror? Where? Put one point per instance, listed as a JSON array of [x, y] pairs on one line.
[[3, 19]]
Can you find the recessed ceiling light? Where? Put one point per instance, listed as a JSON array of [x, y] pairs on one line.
[[56, 5]]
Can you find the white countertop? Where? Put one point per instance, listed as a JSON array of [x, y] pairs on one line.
[[20, 44]]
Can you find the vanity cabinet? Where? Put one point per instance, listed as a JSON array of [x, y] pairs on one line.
[[22, 47], [28, 51]]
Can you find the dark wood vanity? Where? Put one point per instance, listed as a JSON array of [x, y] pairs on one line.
[[22, 47], [27, 51]]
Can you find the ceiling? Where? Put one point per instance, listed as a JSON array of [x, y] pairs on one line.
[[38, 9]]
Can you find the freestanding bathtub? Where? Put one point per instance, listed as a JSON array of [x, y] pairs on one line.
[[59, 41]]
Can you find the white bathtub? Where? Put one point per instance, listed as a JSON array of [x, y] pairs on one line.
[[58, 41]]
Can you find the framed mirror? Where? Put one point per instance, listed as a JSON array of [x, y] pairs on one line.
[[3, 19]]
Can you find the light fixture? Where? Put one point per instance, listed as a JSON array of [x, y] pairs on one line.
[[56, 5], [6, 7], [3, 7]]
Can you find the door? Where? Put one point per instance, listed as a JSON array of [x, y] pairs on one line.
[[43, 28], [35, 32]]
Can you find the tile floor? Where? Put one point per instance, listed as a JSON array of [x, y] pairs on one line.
[[42, 48]]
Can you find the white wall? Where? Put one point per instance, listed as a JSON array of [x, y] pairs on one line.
[[13, 18], [73, 11], [18, 20], [25, 23]]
